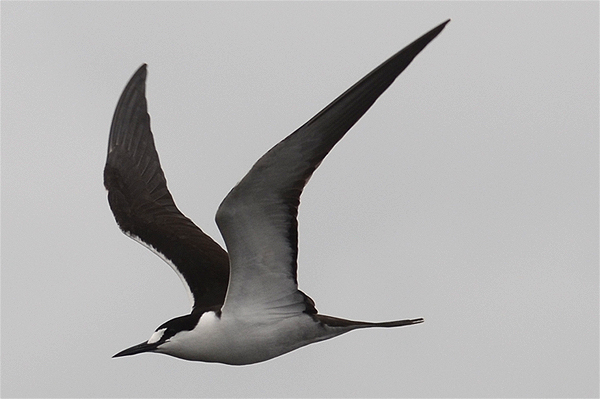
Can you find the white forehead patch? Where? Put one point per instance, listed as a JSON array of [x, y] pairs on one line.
[[157, 336]]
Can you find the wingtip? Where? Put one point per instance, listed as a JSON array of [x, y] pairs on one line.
[[141, 71], [409, 52], [435, 31], [137, 82]]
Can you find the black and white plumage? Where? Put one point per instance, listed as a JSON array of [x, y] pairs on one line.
[[246, 304]]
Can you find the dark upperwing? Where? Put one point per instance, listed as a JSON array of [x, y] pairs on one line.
[[144, 208]]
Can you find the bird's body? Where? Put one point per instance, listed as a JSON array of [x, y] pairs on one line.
[[246, 306], [246, 339], [239, 339]]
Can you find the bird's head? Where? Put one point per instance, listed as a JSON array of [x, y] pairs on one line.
[[164, 335]]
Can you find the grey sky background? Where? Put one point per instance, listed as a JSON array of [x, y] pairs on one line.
[[468, 194]]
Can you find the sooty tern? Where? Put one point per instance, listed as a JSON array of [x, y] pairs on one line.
[[246, 305]]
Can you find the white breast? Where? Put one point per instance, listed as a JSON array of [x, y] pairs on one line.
[[244, 341]]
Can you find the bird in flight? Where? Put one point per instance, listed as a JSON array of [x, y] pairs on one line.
[[246, 305]]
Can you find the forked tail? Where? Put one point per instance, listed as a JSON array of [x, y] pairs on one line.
[[352, 324]]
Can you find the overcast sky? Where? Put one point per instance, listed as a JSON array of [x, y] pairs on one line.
[[468, 194]]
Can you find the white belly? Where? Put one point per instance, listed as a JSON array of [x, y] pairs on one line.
[[245, 340]]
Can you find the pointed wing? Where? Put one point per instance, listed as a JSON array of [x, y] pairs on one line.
[[144, 208], [258, 217]]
